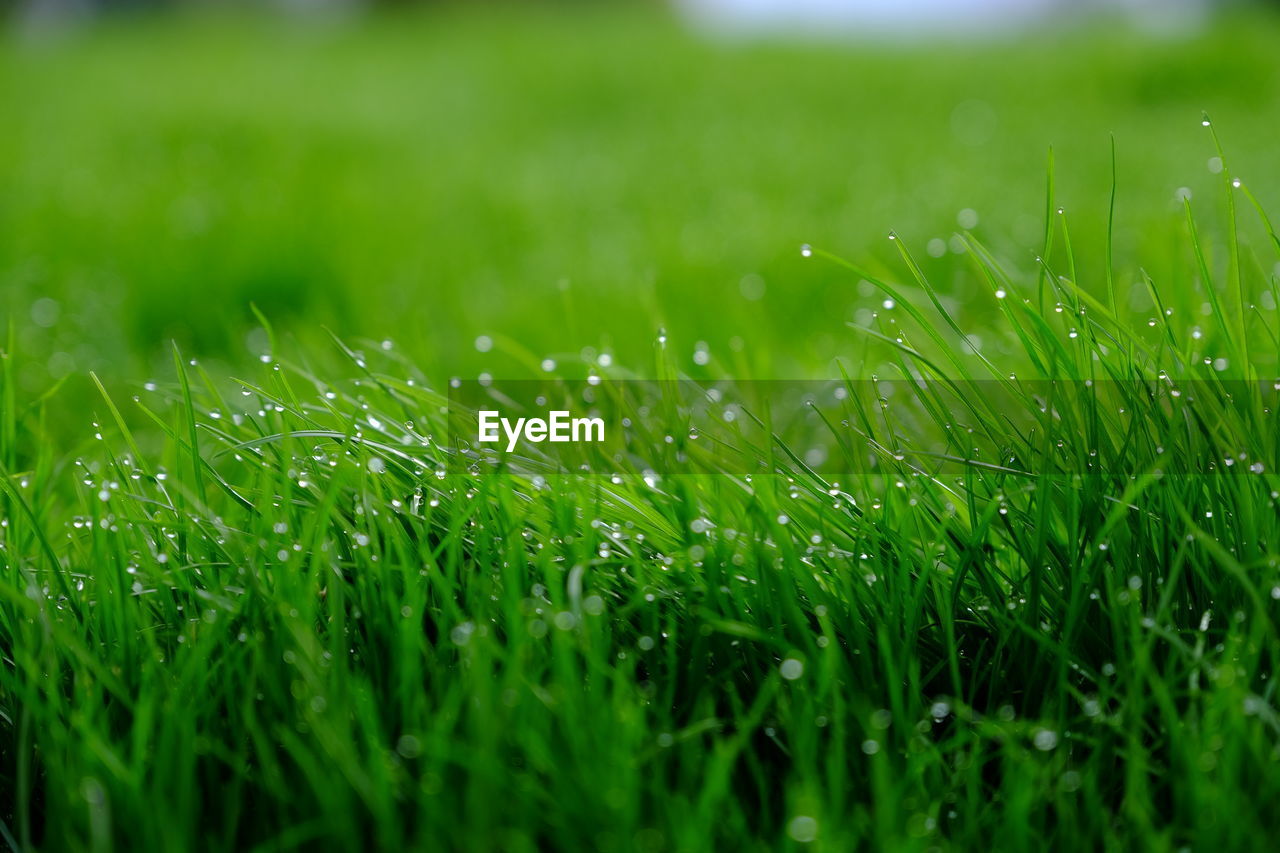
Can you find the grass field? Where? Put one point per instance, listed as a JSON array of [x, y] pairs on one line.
[[248, 599]]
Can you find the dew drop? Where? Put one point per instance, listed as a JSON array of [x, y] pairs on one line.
[[1045, 740]]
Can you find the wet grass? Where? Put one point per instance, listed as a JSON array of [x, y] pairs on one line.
[[295, 620], [261, 606]]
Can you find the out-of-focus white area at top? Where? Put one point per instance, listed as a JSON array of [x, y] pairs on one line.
[[833, 19], [837, 18]]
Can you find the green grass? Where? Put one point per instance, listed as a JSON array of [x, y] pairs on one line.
[[224, 625], [566, 181]]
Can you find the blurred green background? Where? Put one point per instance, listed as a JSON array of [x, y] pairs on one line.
[[568, 177]]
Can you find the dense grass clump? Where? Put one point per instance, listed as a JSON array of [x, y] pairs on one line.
[[274, 613]]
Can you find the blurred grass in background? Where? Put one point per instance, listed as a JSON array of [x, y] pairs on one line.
[[564, 177]]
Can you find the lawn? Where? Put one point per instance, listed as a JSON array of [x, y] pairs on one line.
[[253, 594]]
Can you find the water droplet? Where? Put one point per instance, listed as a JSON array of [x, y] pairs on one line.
[[802, 829], [1045, 739]]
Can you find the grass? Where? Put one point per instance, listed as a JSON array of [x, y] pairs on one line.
[[262, 608], [543, 180]]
